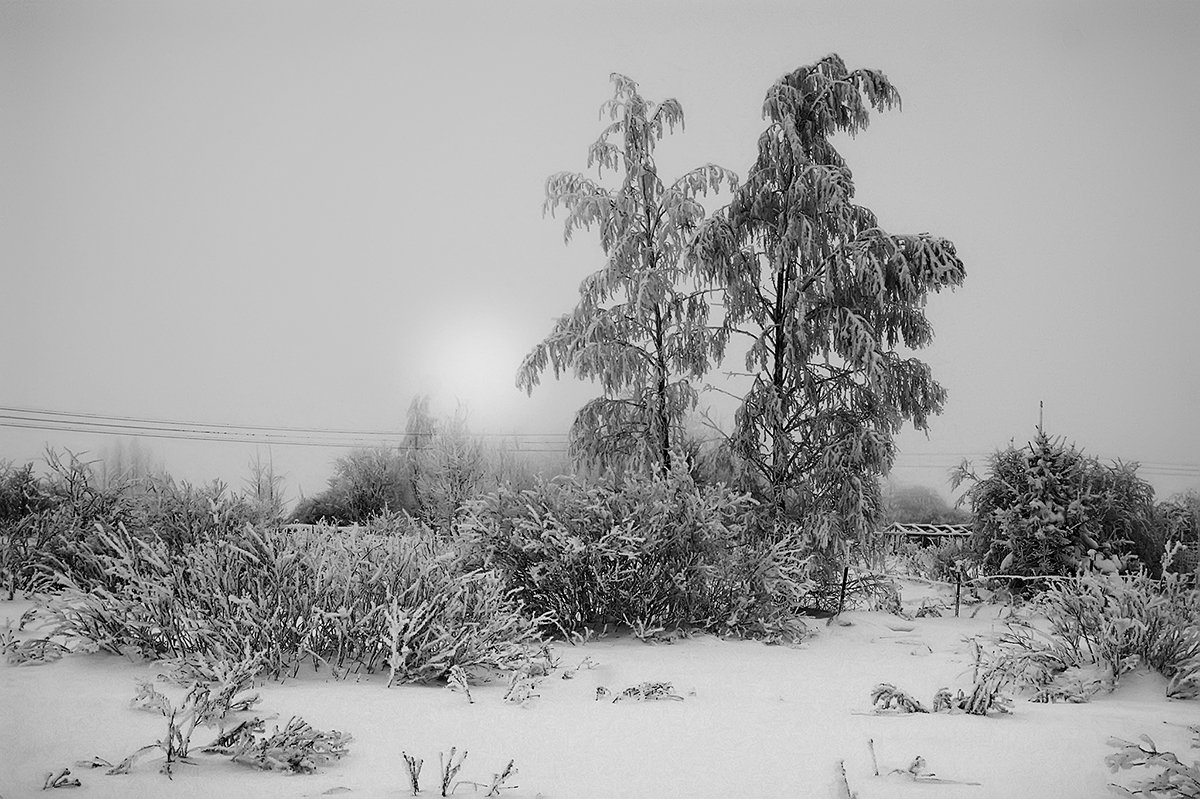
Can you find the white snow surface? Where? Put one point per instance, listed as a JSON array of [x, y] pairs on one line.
[[756, 721]]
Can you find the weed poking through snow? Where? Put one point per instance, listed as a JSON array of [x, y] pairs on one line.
[[586, 663], [521, 689], [649, 692], [413, 766], [450, 769]]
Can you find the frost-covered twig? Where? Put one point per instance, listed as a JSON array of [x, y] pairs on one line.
[[450, 769], [413, 765]]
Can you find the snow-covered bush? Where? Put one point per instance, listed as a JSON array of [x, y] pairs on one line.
[[652, 552], [1174, 779], [1100, 628], [217, 691], [1179, 526], [341, 598], [52, 525], [1048, 509]]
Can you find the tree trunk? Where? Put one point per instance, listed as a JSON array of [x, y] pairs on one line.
[[663, 415]]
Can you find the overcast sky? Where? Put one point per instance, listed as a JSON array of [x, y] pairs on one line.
[[302, 214]]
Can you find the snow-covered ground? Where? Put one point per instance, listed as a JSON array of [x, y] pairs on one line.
[[755, 721]]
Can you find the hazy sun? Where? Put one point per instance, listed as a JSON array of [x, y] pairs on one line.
[[478, 366]]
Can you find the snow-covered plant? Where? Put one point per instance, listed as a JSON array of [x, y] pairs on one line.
[[450, 769], [457, 681], [449, 468], [650, 552], [586, 663], [649, 692], [986, 695], [1110, 626], [216, 689], [886, 696], [35, 651], [641, 325], [1049, 509], [521, 688], [60, 779], [335, 597], [500, 780], [444, 620], [1173, 780], [832, 306], [298, 747], [413, 766]]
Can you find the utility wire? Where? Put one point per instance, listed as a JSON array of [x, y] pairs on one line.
[[140, 421], [102, 424], [219, 436]]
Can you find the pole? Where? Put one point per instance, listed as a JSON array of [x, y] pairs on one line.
[[842, 597], [957, 589]]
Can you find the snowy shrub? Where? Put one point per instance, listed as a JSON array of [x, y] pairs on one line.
[[886, 696], [216, 689], [365, 483], [53, 527], [40, 527], [298, 748], [1098, 629], [655, 553], [337, 597], [1174, 780], [1179, 527], [1048, 509]]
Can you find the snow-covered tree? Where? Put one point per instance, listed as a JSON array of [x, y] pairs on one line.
[[827, 301], [641, 326], [1049, 509]]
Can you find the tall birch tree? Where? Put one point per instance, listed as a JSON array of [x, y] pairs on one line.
[[641, 326], [825, 299]]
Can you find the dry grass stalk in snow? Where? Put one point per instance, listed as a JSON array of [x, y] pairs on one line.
[[450, 769], [413, 766]]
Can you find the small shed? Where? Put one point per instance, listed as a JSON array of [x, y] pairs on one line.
[[924, 534]]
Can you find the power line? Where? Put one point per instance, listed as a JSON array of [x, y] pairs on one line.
[[181, 435], [109, 419], [241, 437], [102, 424], [231, 439]]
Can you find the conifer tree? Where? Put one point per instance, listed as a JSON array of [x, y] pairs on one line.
[[641, 326], [826, 298], [1049, 509]]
